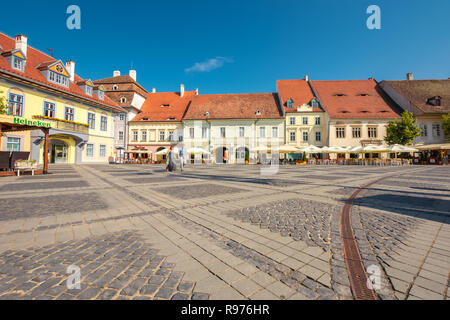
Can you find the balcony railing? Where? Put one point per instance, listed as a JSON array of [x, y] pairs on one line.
[[65, 125]]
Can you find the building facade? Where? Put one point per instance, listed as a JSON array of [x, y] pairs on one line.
[[128, 94], [357, 111], [306, 121], [232, 126], [159, 125], [38, 87], [427, 100]]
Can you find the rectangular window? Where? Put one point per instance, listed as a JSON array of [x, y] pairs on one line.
[[292, 120], [372, 132], [305, 120], [120, 135], [91, 120], [241, 132], [262, 132], [318, 136], [424, 128], [89, 150], [15, 105], [340, 133], [103, 123], [102, 151], [204, 133], [68, 114], [356, 133], [436, 130], [135, 136], [13, 144], [223, 132], [170, 135], [89, 90], [305, 136], [19, 64], [317, 121], [49, 109], [192, 133], [58, 78], [144, 136], [162, 135], [274, 132], [122, 117], [292, 136]]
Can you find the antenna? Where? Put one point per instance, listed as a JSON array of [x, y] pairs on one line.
[[51, 51]]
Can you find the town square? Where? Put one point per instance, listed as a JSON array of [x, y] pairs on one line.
[[191, 163]]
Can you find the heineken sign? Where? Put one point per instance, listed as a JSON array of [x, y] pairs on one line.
[[33, 123]]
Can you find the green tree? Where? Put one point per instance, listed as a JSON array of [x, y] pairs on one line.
[[402, 131], [446, 125], [3, 104]]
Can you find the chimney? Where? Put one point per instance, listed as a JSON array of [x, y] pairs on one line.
[[182, 90], [196, 92], [70, 66], [306, 77], [22, 43], [154, 90], [116, 73], [409, 76], [133, 74]]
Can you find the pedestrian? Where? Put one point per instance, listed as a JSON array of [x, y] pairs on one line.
[[171, 166], [181, 154]]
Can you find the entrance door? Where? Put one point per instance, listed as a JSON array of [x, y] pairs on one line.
[[59, 152]]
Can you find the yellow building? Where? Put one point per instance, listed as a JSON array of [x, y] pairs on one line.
[[306, 120], [39, 88]]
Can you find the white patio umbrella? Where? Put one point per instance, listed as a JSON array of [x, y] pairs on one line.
[[358, 149], [196, 151], [163, 151], [310, 149], [401, 148], [371, 148], [334, 149], [287, 149]]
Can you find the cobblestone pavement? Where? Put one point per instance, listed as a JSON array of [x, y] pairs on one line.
[[221, 232]]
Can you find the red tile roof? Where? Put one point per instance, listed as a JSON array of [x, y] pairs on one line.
[[297, 90], [234, 106], [36, 58], [165, 106], [346, 99]]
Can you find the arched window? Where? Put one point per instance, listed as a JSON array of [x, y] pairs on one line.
[[123, 100], [115, 87]]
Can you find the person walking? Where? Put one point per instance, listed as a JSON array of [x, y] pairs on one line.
[[181, 154], [171, 166]]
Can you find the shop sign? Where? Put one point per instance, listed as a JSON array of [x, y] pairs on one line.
[[34, 123]]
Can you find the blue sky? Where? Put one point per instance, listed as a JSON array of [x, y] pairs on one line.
[[240, 46]]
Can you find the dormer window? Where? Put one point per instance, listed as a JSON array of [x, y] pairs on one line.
[[165, 105], [290, 103], [171, 118], [19, 64], [363, 94], [434, 101], [258, 112], [16, 59], [123, 100], [89, 90], [344, 111], [339, 95], [100, 92], [145, 119], [58, 79], [115, 87], [207, 113], [314, 103]]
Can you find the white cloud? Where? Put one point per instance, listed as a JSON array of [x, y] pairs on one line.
[[209, 65]]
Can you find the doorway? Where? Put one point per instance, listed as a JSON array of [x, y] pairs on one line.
[[242, 155], [221, 155], [58, 151]]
